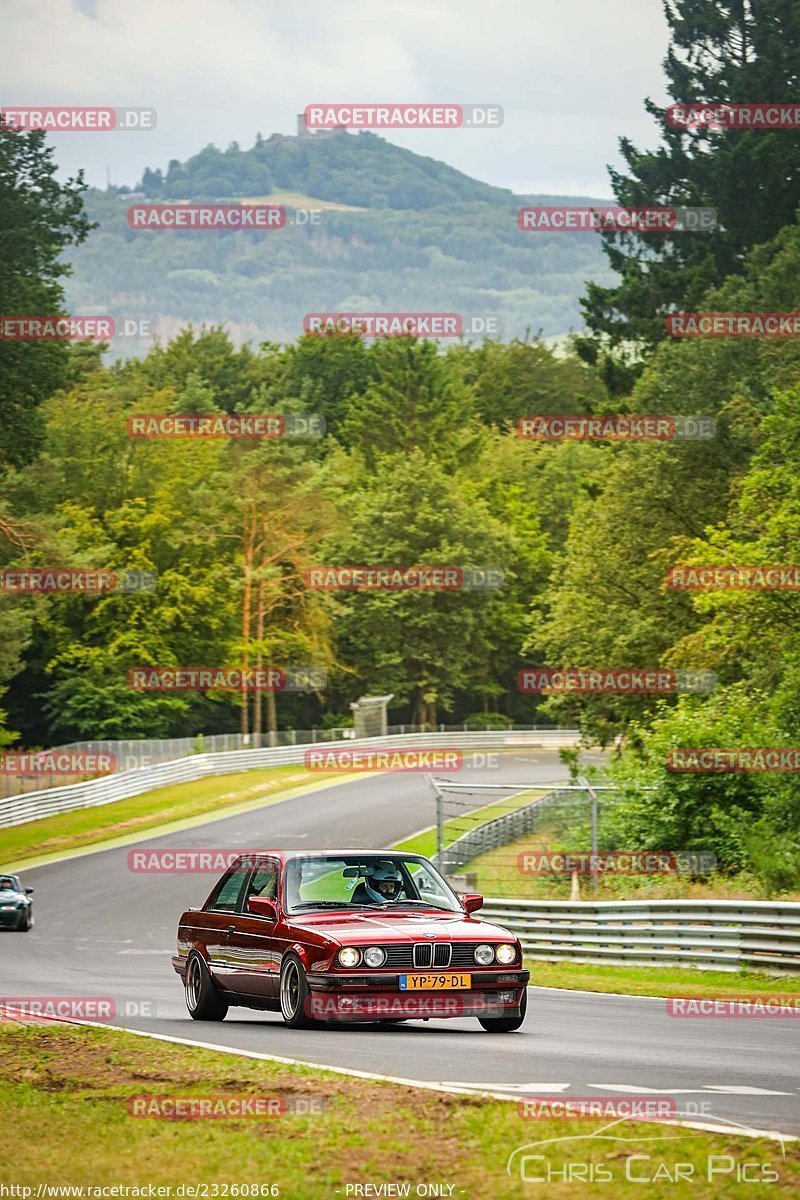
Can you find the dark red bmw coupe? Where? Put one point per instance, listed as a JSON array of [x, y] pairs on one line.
[[351, 935]]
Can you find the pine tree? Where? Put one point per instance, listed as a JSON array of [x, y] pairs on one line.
[[721, 50]]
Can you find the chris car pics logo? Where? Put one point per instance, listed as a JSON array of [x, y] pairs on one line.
[[600, 1157]]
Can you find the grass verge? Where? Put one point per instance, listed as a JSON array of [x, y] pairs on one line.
[[213, 796], [64, 1108], [499, 875], [660, 981]]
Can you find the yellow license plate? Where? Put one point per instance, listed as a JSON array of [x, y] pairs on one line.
[[430, 982]]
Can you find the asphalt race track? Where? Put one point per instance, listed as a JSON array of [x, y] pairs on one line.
[[103, 931]]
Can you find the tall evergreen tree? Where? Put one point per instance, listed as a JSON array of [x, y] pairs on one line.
[[39, 218], [720, 51]]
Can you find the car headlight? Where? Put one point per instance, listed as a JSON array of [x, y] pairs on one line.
[[349, 956], [505, 954], [484, 955], [374, 956]]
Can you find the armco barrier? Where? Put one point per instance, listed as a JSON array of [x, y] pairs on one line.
[[719, 935], [15, 810]]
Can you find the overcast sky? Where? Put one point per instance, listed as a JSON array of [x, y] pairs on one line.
[[570, 75]]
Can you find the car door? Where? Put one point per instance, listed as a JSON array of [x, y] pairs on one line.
[[218, 922], [254, 955]]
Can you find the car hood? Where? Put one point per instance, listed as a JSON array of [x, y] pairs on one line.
[[365, 927], [6, 897]]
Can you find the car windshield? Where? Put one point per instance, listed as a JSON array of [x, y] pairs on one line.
[[8, 883], [359, 881]]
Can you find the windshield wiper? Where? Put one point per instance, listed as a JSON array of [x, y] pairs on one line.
[[330, 904]]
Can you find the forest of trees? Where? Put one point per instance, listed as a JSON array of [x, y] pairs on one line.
[[421, 463], [397, 231]]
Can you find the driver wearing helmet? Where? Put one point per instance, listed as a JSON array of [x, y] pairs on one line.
[[382, 884]]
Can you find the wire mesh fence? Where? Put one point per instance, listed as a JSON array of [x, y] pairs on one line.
[[532, 842]]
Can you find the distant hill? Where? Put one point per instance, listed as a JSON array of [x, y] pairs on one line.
[[399, 232]]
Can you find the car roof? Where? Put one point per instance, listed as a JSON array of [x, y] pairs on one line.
[[285, 854]]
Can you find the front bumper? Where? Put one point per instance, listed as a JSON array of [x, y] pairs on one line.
[[378, 996], [11, 917]]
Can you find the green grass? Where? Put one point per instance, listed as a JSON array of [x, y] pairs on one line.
[[424, 842], [64, 1109], [498, 874], [213, 795], [660, 981]]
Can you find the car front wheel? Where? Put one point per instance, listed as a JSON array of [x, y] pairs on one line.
[[25, 921], [295, 994], [506, 1024], [202, 999]]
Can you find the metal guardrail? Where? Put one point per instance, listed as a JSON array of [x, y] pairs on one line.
[[719, 935], [15, 810], [125, 754]]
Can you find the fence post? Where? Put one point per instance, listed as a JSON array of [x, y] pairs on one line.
[[439, 823], [593, 797]]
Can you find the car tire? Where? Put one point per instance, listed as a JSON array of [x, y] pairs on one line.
[[294, 993], [25, 921], [506, 1024], [202, 999]]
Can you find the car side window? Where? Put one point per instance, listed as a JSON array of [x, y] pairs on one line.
[[264, 882], [227, 898]]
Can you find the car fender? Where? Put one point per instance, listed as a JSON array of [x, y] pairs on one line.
[[302, 953], [199, 947]]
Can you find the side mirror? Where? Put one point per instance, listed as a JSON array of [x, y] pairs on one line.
[[28, 891], [472, 901], [261, 906]]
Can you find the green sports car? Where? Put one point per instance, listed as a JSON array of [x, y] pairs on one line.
[[16, 906]]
